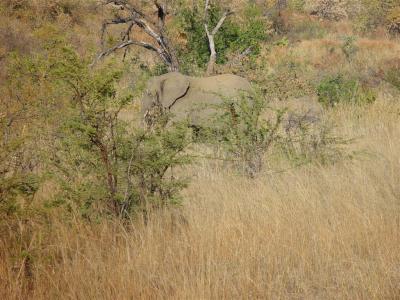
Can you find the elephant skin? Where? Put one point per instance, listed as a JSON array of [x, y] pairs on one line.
[[191, 98]]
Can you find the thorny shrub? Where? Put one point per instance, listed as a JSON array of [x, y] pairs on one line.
[[307, 138], [97, 162], [244, 134], [251, 134]]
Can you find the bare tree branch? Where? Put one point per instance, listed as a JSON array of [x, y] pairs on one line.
[[126, 44], [107, 23], [206, 9], [211, 35], [221, 22], [162, 13], [144, 23], [127, 36]]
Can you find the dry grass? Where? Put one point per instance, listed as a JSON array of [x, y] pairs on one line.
[[316, 232], [310, 233]]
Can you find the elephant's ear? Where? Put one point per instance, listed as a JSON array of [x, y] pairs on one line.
[[173, 87]]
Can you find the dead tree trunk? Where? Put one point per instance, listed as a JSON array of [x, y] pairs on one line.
[[134, 18], [211, 36]]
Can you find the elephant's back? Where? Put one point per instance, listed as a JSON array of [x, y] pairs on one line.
[[225, 84]]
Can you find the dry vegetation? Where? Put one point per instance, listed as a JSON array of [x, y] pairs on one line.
[[311, 233], [315, 231]]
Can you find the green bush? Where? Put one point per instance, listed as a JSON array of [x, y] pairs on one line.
[[333, 90], [99, 160], [14, 187], [232, 37], [249, 133], [61, 122], [25, 101], [244, 134], [197, 51], [393, 76]]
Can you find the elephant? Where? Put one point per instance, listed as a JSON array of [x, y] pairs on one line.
[[191, 98]]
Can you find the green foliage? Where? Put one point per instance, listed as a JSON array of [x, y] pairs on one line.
[[60, 117], [14, 187], [284, 42], [244, 134], [25, 102], [297, 5], [253, 30], [333, 90], [393, 76], [99, 160], [197, 51], [152, 158], [248, 129], [232, 37]]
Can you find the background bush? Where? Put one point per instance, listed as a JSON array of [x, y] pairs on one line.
[[233, 37], [338, 89], [373, 13], [393, 19]]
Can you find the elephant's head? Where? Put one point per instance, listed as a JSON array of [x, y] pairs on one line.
[[163, 91]]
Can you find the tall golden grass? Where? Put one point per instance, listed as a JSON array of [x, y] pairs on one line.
[[316, 232]]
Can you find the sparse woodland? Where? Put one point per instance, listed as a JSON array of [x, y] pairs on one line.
[[295, 195]]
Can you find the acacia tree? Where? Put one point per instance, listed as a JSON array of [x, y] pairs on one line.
[[145, 18], [98, 158]]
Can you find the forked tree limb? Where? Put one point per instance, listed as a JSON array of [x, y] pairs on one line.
[[127, 44], [211, 35], [115, 21], [221, 22], [160, 44]]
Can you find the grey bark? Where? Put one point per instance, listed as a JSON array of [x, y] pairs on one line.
[[136, 19], [211, 36]]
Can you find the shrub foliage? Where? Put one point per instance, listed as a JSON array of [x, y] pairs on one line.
[[337, 89], [101, 163], [233, 37]]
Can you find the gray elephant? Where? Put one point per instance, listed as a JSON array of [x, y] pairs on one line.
[[191, 98]]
